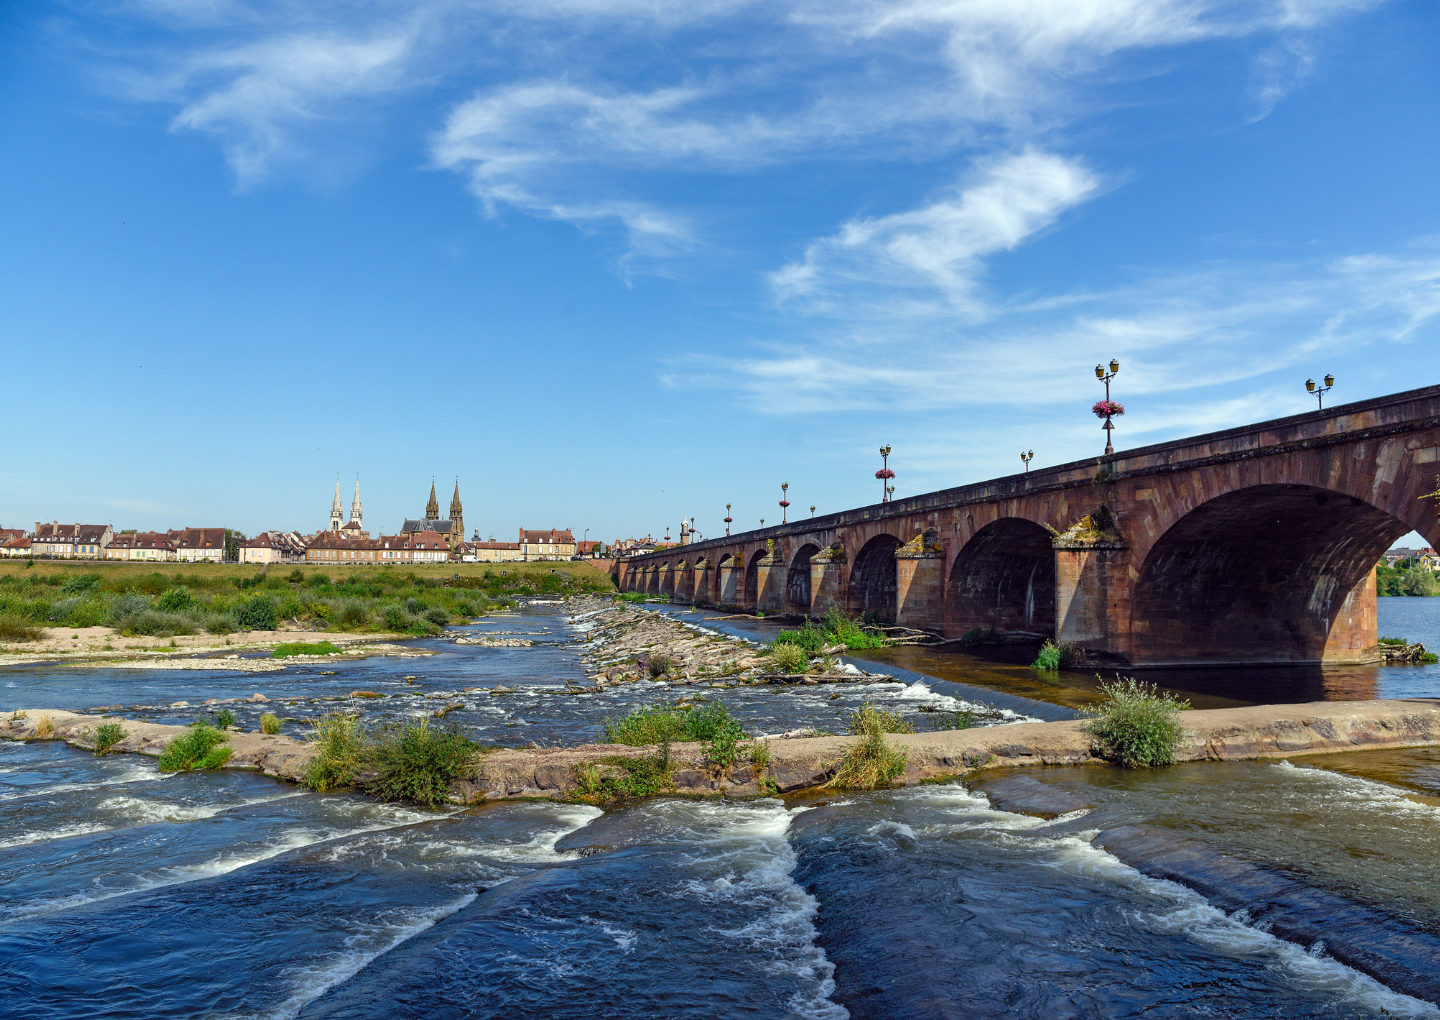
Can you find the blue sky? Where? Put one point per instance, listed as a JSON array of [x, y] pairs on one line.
[[617, 263]]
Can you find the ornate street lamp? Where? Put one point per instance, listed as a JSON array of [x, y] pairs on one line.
[[784, 503], [1026, 458], [812, 511], [1320, 391], [762, 522], [885, 474], [1107, 408], [728, 518]]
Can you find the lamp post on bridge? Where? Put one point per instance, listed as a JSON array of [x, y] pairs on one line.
[[812, 510], [1026, 458], [885, 474], [1107, 408], [1320, 391], [728, 518], [784, 503]]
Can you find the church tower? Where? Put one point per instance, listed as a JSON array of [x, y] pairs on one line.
[[432, 508], [457, 516], [337, 509], [357, 516]]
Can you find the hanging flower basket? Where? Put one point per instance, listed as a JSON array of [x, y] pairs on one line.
[[784, 502], [885, 473], [1107, 409]]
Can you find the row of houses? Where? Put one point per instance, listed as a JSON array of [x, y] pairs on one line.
[[101, 542], [350, 545]]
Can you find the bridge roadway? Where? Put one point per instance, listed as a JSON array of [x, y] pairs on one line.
[[1253, 545]]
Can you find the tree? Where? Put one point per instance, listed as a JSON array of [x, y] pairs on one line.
[[1418, 581]]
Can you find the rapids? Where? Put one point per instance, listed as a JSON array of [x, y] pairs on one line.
[[1237, 889]]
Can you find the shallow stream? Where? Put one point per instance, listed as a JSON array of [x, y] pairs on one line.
[[1238, 889]]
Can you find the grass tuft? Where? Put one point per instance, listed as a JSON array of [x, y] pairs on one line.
[[45, 726], [867, 717], [339, 744], [269, 723], [1136, 725], [107, 735], [200, 748], [1053, 656], [786, 657], [870, 763]]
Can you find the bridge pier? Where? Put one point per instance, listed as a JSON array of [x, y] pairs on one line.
[[732, 576], [701, 595], [920, 583], [828, 575], [1091, 581], [770, 571]]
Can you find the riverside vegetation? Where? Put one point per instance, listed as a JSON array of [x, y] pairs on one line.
[[221, 599], [410, 761], [1135, 725]]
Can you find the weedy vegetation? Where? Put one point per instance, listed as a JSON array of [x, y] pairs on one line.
[[270, 723], [16, 628], [45, 726], [200, 748], [410, 761], [785, 657], [658, 724], [834, 629], [1135, 725], [107, 735], [871, 763], [867, 716], [1053, 656]]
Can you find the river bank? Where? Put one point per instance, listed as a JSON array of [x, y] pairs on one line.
[[102, 647]]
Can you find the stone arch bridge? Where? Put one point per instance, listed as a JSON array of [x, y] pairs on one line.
[[1253, 545]]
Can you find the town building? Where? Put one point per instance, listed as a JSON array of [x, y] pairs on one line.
[[452, 528], [274, 547], [429, 547], [198, 545], [71, 541], [16, 547], [547, 545], [495, 552], [334, 549]]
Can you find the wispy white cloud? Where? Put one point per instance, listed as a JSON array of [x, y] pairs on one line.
[[1176, 334], [939, 246]]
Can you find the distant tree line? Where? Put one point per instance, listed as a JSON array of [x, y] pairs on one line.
[[1406, 577]]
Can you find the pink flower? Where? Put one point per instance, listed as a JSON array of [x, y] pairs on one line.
[[1107, 408], [885, 473]]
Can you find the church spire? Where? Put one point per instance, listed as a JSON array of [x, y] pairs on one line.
[[357, 515], [337, 509], [456, 510], [432, 508]]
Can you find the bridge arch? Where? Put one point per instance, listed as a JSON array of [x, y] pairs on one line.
[[1004, 578], [797, 580], [874, 580], [1267, 573], [751, 591]]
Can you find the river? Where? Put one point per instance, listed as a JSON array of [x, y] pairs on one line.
[[1238, 889]]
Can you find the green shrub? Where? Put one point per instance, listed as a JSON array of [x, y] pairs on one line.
[[269, 723], [175, 600], [416, 606], [156, 624], [867, 717], [221, 623], [1052, 656], [16, 628], [656, 665], [80, 583], [351, 614], [660, 723], [257, 613], [870, 763], [200, 748], [841, 630], [810, 639], [786, 658], [224, 719], [437, 616], [723, 747], [318, 580], [107, 735], [397, 619], [1394, 641], [416, 763], [1136, 725], [339, 743], [289, 648]]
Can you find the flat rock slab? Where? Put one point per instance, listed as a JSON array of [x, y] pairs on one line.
[[1257, 731]]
